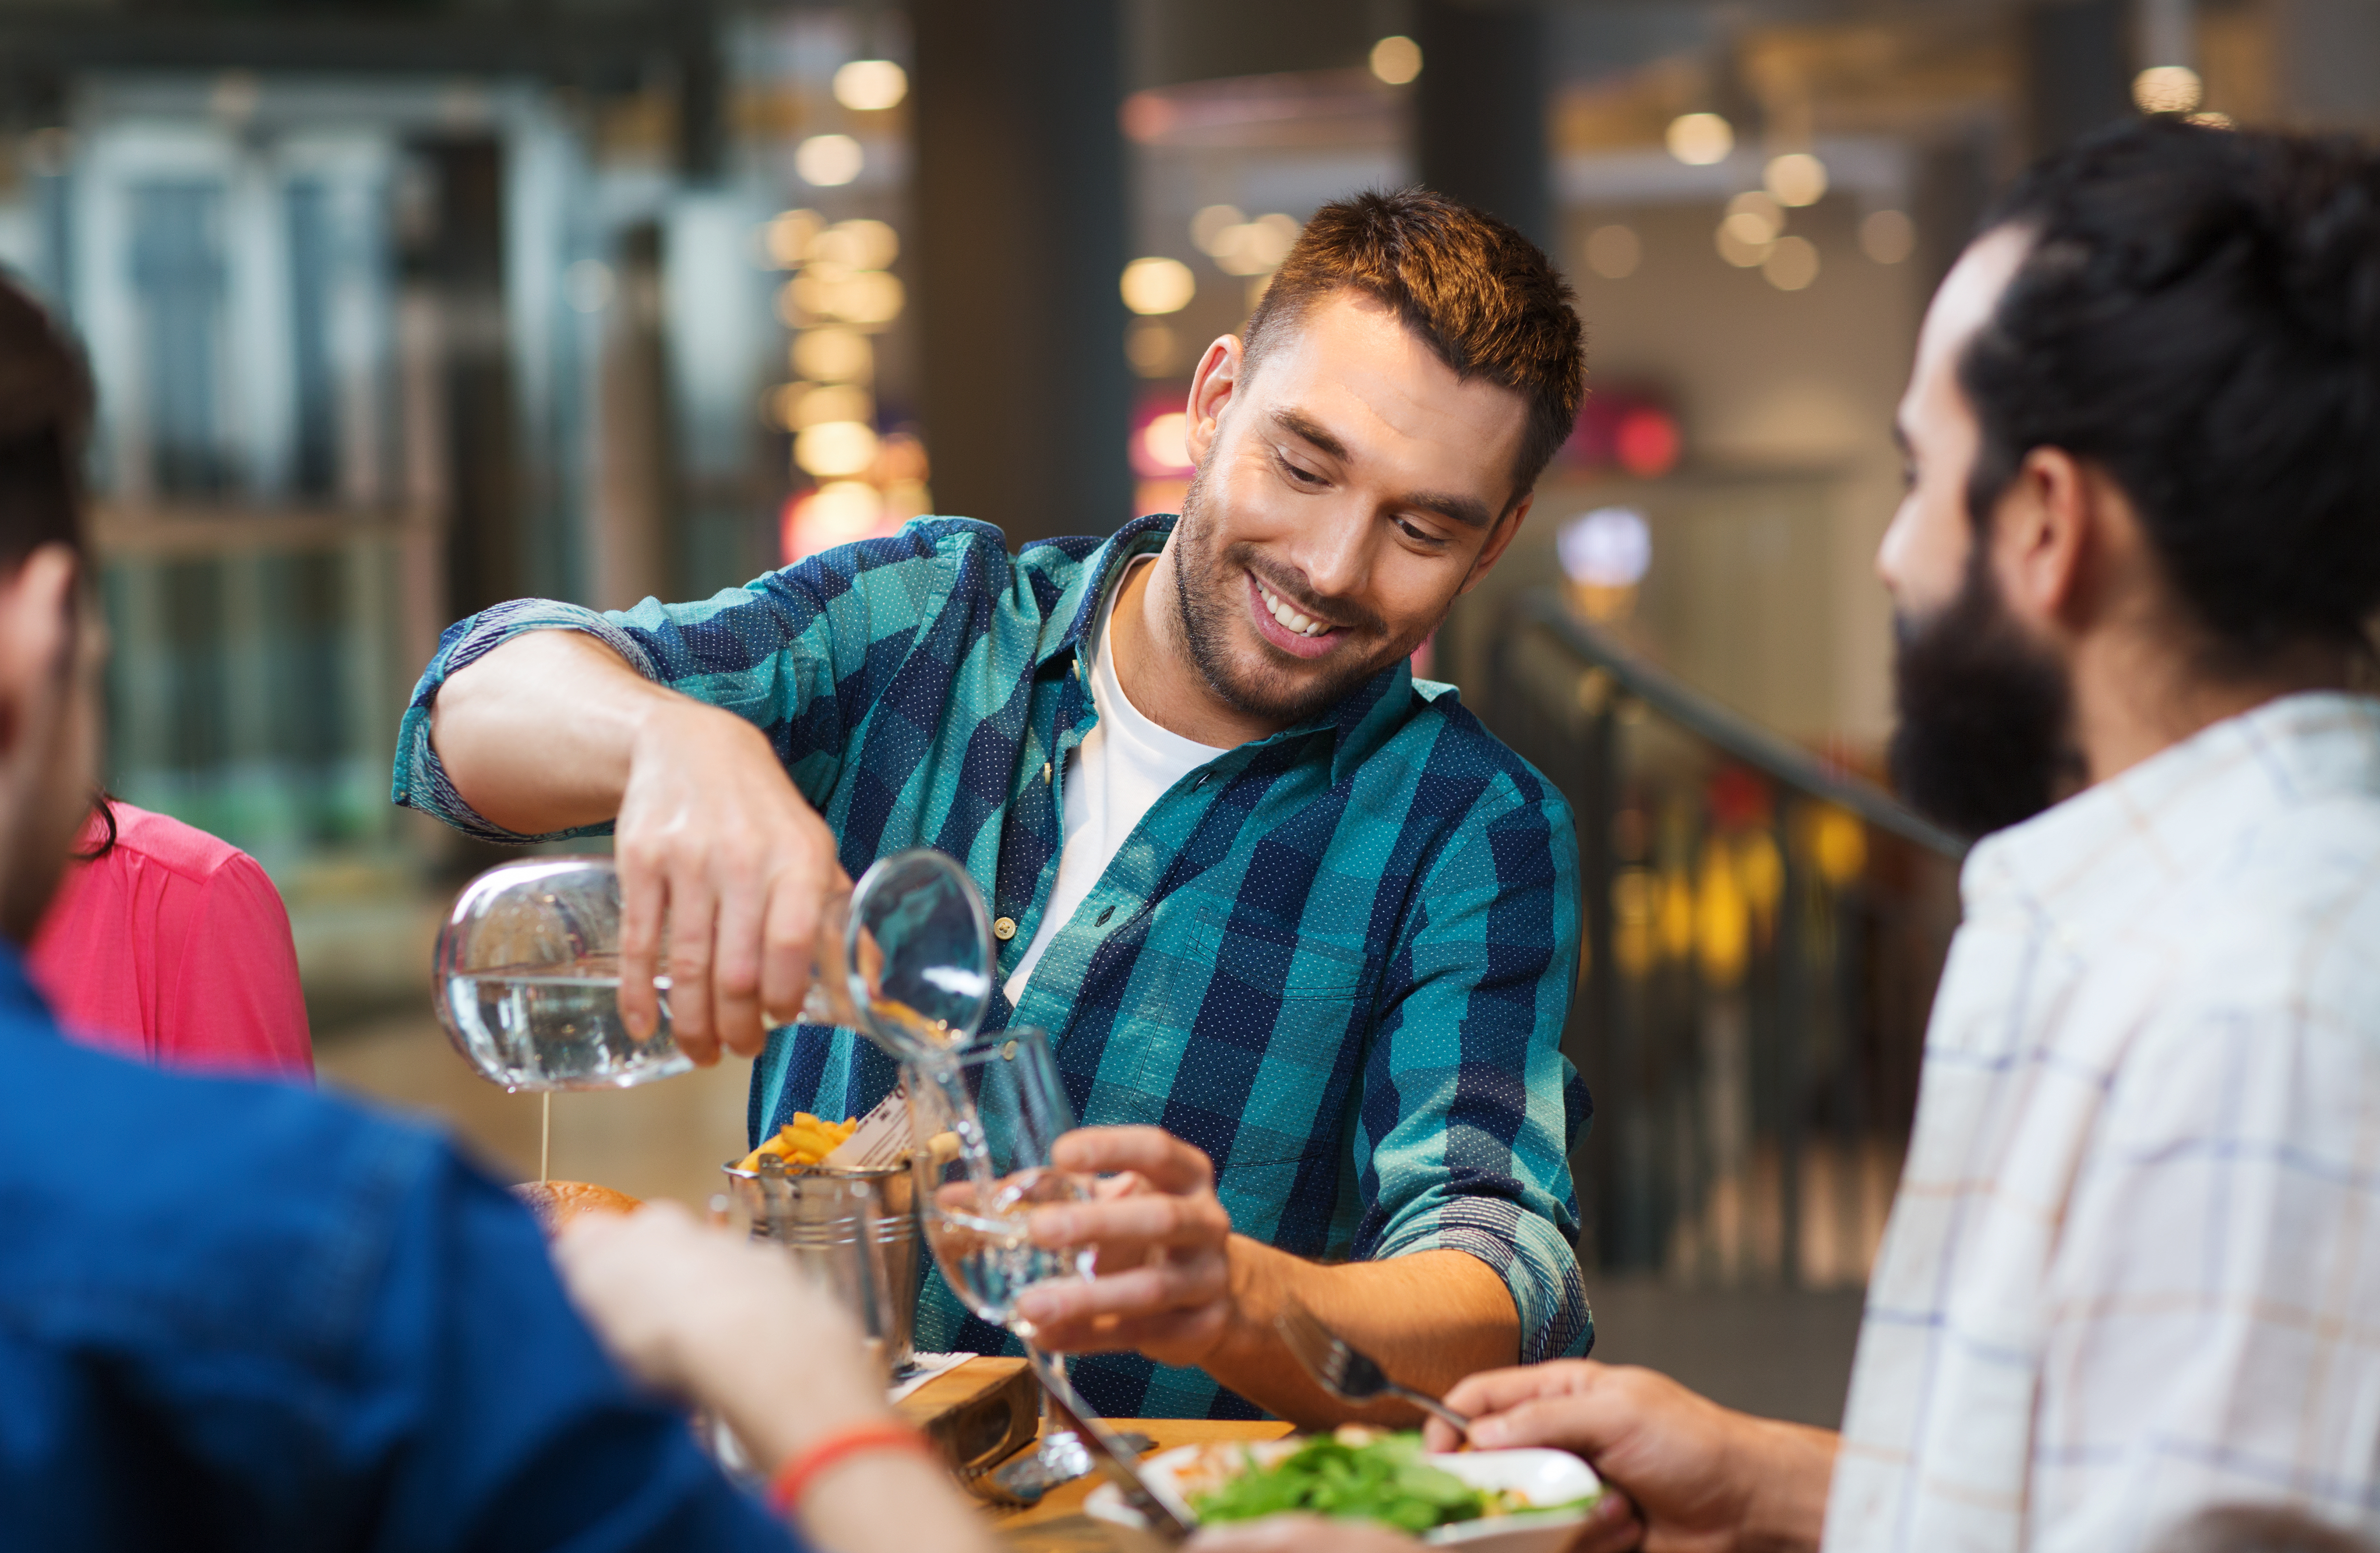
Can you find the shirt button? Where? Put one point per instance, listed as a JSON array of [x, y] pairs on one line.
[[1003, 927], [1105, 915]]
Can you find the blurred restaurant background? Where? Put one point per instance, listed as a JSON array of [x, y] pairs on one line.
[[402, 309]]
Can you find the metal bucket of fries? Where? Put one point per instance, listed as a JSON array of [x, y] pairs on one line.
[[853, 1229]]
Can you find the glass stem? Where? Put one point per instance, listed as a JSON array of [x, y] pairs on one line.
[[1049, 1415]]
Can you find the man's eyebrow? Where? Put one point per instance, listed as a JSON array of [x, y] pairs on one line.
[[1465, 510], [1299, 424]]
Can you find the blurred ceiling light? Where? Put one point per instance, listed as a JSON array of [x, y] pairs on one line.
[[836, 513], [1396, 59], [1158, 286], [835, 448], [2167, 89], [1256, 248], [1610, 547], [829, 291], [1796, 178], [1149, 347], [785, 240], [870, 298], [834, 356], [1166, 441], [1888, 237], [1738, 246], [848, 503], [802, 301], [1207, 229], [797, 407], [586, 285], [865, 85], [1613, 252], [858, 244], [1755, 217], [829, 161], [2210, 120], [1700, 140], [1792, 265]]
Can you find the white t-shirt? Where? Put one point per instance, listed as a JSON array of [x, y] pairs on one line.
[[1123, 765]]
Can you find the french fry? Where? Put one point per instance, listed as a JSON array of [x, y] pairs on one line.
[[804, 1141]]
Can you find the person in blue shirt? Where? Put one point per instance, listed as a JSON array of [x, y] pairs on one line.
[[238, 1314], [1303, 933]]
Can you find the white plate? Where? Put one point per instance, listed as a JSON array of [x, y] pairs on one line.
[[1546, 1476]]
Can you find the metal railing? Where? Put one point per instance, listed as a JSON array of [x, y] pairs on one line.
[[1763, 933]]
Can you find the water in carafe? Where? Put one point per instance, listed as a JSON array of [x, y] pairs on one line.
[[558, 1026]]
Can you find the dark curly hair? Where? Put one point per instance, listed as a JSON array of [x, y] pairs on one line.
[[2199, 315], [1480, 295]]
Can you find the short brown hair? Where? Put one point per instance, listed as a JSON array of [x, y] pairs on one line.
[[46, 405], [1480, 295]]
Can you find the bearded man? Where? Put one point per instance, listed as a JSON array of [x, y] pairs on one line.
[[2132, 1269], [1303, 933]]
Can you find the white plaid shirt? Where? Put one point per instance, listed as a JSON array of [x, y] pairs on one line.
[[2135, 1264]]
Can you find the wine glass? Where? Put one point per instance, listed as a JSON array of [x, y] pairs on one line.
[[984, 1117]]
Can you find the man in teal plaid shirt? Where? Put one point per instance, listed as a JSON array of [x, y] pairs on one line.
[[1303, 933]]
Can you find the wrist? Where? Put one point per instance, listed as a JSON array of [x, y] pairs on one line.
[[781, 1403], [1785, 1471]]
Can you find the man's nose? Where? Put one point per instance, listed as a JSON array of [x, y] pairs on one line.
[[1335, 555]]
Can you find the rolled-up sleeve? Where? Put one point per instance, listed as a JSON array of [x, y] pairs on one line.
[[420, 780], [1469, 1107], [797, 652]]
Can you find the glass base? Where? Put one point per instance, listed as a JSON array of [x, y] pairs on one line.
[[1060, 1457]]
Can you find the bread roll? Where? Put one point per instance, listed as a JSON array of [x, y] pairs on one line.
[[556, 1203]]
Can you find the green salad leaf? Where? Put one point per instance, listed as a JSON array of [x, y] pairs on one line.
[[1385, 1480]]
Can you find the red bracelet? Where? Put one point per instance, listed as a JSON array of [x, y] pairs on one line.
[[803, 1468]]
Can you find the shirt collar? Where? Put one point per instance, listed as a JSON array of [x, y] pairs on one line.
[[1360, 722], [2108, 850]]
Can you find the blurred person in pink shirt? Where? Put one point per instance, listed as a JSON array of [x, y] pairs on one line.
[[166, 944]]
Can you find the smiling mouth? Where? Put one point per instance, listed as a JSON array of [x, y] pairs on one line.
[[1290, 618]]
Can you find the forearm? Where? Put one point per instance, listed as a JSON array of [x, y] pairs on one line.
[[539, 734], [1429, 1318]]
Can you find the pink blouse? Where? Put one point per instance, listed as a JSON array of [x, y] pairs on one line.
[[174, 948]]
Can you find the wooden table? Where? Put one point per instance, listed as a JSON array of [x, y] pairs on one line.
[[1057, 1524]]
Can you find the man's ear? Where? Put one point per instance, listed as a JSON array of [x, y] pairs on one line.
[[36, 627], [1211, 387], [2042, 535], [1499, 539]]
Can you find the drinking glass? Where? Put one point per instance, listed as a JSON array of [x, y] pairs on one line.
[[529, 970], [984, 1117]]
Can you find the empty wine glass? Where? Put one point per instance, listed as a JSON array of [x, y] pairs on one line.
[[917, 954], [984, 1118]]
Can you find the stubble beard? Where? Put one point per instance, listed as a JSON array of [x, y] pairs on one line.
[[1207, 589], [1984, 737]]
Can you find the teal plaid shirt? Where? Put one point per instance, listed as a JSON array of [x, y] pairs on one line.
[[1338, 959]]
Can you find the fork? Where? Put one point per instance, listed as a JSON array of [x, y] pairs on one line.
[[1348, 1373]]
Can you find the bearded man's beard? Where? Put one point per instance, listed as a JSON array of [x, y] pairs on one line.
[[1983, 740], [1211, 592]]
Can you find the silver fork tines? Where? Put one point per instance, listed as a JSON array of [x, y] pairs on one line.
[[1348, 1373]]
